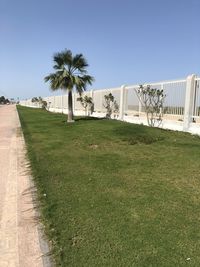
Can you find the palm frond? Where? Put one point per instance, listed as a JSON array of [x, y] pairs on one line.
[[79, 63], [88, 79]]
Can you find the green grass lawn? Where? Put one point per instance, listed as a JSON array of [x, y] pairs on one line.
[[117, 194]]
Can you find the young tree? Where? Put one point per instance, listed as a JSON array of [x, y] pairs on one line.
[[110, 104], [34, 100], [42, 103], [87, 103], [152, 99], [70, 74]]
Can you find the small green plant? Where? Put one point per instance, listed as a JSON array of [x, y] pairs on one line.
[[111, 105], [152, 99], [87, 103]]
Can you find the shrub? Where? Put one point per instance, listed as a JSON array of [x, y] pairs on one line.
[[87, 103], [111, 105], [152, 99], [42, 103]]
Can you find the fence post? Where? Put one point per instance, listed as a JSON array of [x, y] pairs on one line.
[[122, 102], [140, 107], [102, 101], [62, 103], [92, 95], [189, 101], [162, 108], [74, 102], [54, 103]]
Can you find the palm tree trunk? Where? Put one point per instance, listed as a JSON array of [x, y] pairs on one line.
[[70, 107]]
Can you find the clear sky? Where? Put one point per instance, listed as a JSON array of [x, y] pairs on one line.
[[124, 41]]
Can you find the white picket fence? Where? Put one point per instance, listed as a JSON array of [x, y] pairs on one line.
[[181, 106]]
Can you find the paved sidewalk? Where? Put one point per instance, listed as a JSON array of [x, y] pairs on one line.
[[19, 238]]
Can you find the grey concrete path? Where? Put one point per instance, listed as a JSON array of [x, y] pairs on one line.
[[19, 238]]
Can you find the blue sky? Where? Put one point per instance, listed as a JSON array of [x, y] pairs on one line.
[[124, 41]]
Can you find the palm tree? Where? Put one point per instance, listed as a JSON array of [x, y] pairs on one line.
[[70, 74]]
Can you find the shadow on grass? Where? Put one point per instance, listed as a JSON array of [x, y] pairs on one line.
[[135, 134], [89, 119], [83, 119]]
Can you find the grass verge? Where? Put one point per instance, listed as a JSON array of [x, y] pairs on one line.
[[113, 193]]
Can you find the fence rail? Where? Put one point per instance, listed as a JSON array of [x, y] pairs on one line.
[[181, 105]]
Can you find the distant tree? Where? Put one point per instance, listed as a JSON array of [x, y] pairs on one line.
[[87, 103], [70, 74], [42, 103], [111, 105], [34, 100], [4, 100]]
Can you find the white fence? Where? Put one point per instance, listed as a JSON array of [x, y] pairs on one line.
[[181, 106]]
